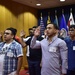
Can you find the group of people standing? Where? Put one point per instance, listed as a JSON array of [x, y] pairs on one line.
[[48, 55]]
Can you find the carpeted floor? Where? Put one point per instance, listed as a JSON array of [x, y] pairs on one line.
[[24, 72]]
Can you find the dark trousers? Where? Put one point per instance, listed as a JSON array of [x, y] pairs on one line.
[[34, 67], [27, 61], [70, 72]]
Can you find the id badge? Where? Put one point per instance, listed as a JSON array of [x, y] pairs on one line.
[[73, 47], [52, 49], [10, 54]]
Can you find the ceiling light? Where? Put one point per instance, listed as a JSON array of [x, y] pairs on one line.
[[62, 0], [38, 4]]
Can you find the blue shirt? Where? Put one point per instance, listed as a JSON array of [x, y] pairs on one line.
[[10, 61], [71, 53]]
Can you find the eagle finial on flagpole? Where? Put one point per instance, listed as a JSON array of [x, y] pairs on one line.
[[48, 21]]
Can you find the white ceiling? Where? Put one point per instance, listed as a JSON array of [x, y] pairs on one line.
[[45, 3]]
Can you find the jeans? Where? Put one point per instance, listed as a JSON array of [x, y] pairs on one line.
[[34, 67]]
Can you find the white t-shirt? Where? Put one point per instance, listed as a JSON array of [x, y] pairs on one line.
[[1, 63], [26, 39], [5, 47]]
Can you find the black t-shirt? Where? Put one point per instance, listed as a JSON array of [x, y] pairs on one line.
[[34, 54]]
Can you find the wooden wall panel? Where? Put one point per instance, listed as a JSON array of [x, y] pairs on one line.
[[2, 17], [26, 22], [19, 16]]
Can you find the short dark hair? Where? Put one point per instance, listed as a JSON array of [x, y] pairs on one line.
[[34, 26], [30, 28], [72, 26], [13, 30], [55, 25]]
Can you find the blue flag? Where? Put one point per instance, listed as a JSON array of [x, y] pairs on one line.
[[42, 26], [63, 26], [63, 23]]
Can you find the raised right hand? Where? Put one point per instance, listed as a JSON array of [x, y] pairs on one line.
[[37, 31], [22, 33]]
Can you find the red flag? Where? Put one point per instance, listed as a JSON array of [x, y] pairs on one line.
[[71, 20]]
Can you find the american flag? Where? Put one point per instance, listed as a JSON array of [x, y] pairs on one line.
[[42, 27]]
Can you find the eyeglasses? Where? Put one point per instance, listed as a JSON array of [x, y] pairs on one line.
[[6, 33], [71, 30]]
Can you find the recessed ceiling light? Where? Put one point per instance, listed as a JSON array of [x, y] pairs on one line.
[[38, 4], [62, 0]]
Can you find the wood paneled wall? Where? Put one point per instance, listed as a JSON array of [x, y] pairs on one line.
[[21, 17]]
